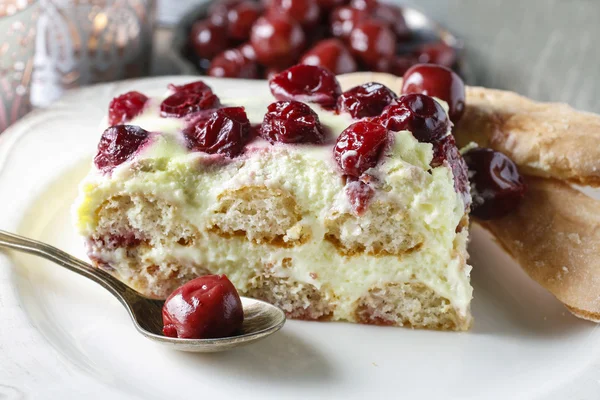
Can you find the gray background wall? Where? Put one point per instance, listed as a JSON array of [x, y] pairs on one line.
[[546, 49]]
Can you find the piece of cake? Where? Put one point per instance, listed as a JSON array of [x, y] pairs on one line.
[[554, 231], [331, 215]]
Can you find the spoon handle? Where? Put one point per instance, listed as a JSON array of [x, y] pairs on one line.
[[30, 246]]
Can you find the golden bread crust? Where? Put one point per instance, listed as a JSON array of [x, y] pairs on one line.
[[554, 235], [544, 139], [590, 316]]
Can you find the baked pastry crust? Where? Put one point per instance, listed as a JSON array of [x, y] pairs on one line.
[[554, 236], [545, 139], [555, 233]]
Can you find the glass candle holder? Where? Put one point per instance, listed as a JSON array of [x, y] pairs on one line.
[[17, 44], [80, 42]]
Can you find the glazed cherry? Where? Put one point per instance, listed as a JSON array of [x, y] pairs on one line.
[[272, 72], [240, 19], [419, 114], [219, 9], [366, 100], [445, 151], [368, 5], [359, 147], [118, 144], [208, 39], [187, 99], [126, 106], [496, 185], [393, 16], [204, 308], [226, 131], [327, 5], [291, 122], [233, 63], [372, 42], [277, 40], [331, 54], [195, 87], [316, 33], [305, 12], [436, 53], [248, 51], [438, 81], [306, 83], [402, 63], [183, 103], [343, 20]]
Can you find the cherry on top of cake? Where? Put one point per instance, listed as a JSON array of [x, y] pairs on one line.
[[214, 129]]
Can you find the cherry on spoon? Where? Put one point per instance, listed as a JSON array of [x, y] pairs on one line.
[[261, 319]]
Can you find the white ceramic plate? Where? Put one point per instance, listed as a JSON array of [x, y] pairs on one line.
[[63, 337]]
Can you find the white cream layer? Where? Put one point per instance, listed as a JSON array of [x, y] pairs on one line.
[[192, 183]]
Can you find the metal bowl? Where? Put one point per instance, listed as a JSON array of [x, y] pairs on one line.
[[424, 30]]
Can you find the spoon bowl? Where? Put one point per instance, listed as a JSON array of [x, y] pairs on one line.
[[261, 319]]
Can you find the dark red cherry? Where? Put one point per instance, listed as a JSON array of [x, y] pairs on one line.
[[331, 54], [496, 185], [118, 144], [343, 20], [248, 51], [359, 147], [183, 102], [368, 5], [306, 83], [436, 53], [218, 10], [305, 12], [445, 151], [272, 72], [277, 40], [233, 63], [419, 114], [393, 16], [240, 19], [226, 131], [402, 63], [438, 81], [291, 122], [316, 33], [366, 100], [196, 87], [327, 5], [372, 42], [204, 308], [126, 106], [208, 39]]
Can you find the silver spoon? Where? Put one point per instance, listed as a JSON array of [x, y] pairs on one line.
[[260, 318]]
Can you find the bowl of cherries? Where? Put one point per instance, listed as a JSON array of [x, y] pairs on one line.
[[257, 39]]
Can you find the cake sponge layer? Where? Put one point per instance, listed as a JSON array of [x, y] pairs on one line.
[[148, 244]]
